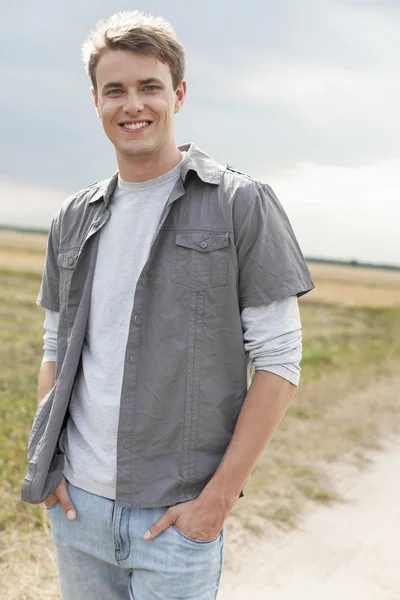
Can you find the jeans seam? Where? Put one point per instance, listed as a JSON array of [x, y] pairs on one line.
[[221, 562]]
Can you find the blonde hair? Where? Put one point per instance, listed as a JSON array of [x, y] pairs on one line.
[[136, 32]]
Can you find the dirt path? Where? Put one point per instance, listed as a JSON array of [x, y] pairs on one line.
[[350, 551]]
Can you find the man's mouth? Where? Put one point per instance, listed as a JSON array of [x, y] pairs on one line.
[[135, 126]]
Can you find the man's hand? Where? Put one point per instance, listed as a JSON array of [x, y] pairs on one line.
[[60, 494], [198, 519]]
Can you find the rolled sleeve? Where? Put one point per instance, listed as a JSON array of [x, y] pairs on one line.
[[48, 296], [50, 336], [272, 338], [271, 264]]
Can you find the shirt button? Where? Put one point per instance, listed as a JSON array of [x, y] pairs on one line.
[[132, 358], [204, 244], [71, 260], [135, 317]]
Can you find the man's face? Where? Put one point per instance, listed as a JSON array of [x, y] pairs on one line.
[[136, 102]]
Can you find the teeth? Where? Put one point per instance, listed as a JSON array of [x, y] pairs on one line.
[[135, 125]]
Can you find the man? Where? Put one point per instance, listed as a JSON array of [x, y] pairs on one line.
[[158, 284]]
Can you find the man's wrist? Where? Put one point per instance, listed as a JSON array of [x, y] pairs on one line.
[[218, 493]]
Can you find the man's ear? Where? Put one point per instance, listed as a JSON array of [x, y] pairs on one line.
[[180, 94], [96, 102]]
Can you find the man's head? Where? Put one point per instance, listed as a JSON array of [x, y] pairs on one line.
[[135, 32], [136, 65]]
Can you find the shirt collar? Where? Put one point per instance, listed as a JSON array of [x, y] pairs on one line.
[[198, 161], [194, 160]]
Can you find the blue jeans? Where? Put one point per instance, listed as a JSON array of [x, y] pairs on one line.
[[102, 555]]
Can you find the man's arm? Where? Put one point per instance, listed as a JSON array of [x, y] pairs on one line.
[[47, 372], [273, 340], [263, 408], [46, 379]]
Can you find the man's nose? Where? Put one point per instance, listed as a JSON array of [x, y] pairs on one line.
[[133, 102]]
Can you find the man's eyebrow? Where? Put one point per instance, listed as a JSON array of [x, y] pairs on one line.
[[112, 84], [150, 80]]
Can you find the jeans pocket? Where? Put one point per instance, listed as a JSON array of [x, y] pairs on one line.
[[48, 508], [193, 541]]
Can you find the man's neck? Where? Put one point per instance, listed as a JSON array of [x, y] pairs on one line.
[[144, 168]]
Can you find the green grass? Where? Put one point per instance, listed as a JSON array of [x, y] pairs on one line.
[[20, 356], [336, 340], [335, 336]]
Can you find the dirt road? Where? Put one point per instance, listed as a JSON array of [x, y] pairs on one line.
[[350, 551]]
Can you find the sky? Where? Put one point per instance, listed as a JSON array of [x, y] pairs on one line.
[[301, 94]]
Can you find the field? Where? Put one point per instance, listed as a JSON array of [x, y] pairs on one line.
[[355, 286], [351, 334]]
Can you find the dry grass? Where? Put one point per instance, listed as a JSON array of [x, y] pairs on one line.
[[354, 286], [384, 278], [22, 252], [18, 241], [28, 566], [347, 294], [21, 262]]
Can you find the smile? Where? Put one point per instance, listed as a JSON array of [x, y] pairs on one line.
[[135, 126]]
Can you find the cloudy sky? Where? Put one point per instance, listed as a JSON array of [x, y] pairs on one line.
[[303, 94]]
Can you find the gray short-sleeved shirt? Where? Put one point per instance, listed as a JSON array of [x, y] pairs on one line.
[[223, 243]]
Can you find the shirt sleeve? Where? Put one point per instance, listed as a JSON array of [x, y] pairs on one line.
[[271, 264], [272, 338], [50, 337], [49, 289]]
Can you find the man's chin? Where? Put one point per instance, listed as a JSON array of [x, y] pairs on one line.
[[136, 151]]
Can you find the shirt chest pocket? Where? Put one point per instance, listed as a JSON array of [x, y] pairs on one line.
[[200, 259], [66, 261]]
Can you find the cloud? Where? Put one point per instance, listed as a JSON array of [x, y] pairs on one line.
[[29, 205], [343, 117], [344, 213]]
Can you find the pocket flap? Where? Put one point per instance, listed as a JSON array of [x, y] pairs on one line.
[[201, 241], [67, 260]]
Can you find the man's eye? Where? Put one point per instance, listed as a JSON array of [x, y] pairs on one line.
[[151, 87], [114, 92]]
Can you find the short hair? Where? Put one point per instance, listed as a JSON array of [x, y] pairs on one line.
[[136, 32]]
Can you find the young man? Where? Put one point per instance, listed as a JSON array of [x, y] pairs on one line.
[[158, 285]]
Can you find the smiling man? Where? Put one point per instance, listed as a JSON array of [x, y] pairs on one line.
[[162, 284]]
